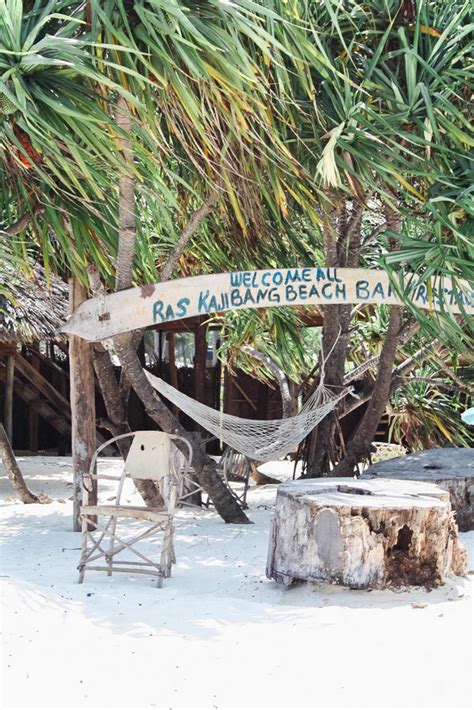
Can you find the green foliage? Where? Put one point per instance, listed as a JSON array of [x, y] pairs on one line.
[[288, 106]]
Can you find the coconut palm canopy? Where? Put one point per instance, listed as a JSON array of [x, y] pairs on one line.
[[286, 107], [31, 309]]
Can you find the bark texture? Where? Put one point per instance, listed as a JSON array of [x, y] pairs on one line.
[[206, 473], [279, 376], [127, 217], [364, 534], [82, 397], [450, 469], [205, 468], [13, 470]]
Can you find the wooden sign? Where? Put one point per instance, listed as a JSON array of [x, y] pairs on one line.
[[149, 305]]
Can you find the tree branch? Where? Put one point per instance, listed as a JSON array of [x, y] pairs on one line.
[[187, 234], [23, 222], [279, 374]]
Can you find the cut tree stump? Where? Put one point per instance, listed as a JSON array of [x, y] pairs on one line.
[[451, 469], [364, 534]]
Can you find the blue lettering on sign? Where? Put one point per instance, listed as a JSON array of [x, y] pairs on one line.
[[324, 291], [164, 313], [378, 290], [341, 291], [202, 301], [421, 294], [362, 290], [290, 294], [158, 311], [183, 304], [274, 296], [266, 278], [277, 278]]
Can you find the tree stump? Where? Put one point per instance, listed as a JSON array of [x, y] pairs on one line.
[[451, 469], [364, 534]]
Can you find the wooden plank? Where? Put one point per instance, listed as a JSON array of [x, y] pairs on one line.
[[33, 418], [172, 367], [30, 396], [82, 407], [43, 386], [167, 301], [8, 403]]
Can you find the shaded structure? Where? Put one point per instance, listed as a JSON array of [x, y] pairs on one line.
[[33, 359]]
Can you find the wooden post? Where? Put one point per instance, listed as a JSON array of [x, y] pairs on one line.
[[172, 367], [200, 349], [33, 420], [82, 406], [8, 404]]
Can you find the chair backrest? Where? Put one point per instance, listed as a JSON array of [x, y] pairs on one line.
[[235, 465], [150, 455]]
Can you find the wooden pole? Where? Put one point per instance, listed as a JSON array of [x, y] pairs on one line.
[[8, 404], [33, 420], [200, 350], [82, 406], [172, 367]]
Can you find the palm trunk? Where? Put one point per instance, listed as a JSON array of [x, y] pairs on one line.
[[206, 470], [342, 248], [13, 470], [358, 447], [206, 473]]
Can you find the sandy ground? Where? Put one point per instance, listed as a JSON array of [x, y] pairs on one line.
[[219, 634]]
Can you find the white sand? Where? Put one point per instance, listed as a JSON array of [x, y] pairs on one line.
[[219, 634]]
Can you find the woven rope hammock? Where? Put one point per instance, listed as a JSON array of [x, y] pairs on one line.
[[260, 439]]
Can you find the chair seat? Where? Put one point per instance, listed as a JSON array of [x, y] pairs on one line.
[[127, 511]]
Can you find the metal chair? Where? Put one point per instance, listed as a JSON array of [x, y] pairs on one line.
[[236, 468], [233, 467], [151, 457]]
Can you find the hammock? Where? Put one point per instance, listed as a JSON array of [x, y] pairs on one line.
[[260, 439]]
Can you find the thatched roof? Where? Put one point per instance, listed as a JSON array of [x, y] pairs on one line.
[[29, 310]]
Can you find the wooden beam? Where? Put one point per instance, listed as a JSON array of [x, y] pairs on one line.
[[199, 374], [8, 403], [33, 419], [172, 366], [82, 406], [43, 386], [30, 396], [200, 350]]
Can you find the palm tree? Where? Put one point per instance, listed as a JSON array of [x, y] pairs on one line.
[[278, 127]]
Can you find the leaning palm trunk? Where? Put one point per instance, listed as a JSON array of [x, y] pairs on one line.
[[206, 471], [13, 470]]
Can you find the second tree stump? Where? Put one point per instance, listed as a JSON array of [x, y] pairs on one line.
[[364, 534]]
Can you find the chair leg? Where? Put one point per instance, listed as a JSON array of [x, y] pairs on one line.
[[109, 558], [165, 566], [82, 561]]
